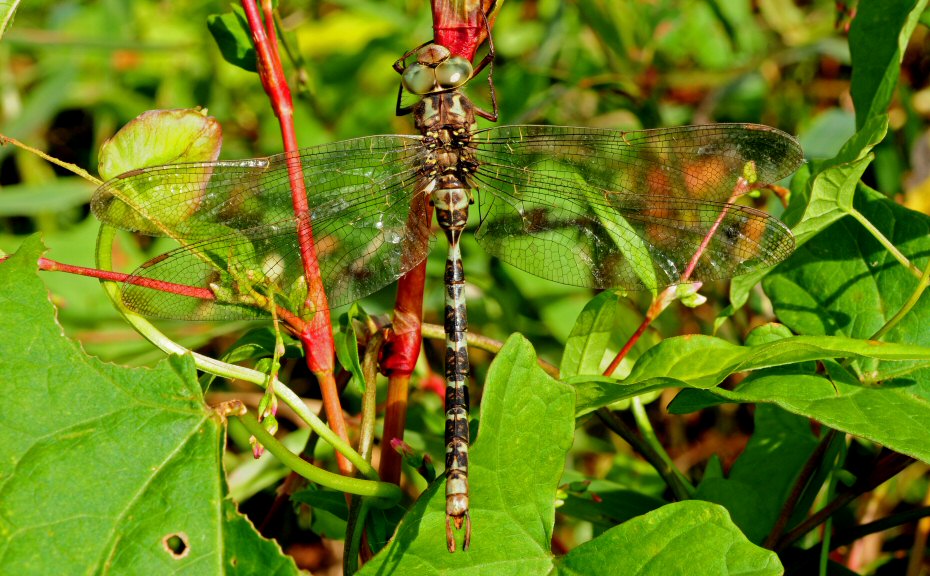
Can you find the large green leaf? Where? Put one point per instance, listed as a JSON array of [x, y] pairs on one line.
[[691, 537], [102, 465], [896, 416], [704, 362], [877, 39], [844, 283], [761, 478], [514, 476]]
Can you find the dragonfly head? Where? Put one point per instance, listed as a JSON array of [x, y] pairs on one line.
[[435, 70]]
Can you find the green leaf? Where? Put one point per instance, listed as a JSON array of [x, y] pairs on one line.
[[585, 347], [691, 537], [513, 479], [103, 465], [762, 477], [232, 36], [160, 137], [894, 415], [705, 361], [826, 197], [512, 500], [7, 11], [844, 283], [347, 344], [877, 40]]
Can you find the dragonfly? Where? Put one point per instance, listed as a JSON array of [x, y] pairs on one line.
[[588, 207]]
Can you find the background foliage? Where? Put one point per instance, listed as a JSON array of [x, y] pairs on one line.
[[72, 73]]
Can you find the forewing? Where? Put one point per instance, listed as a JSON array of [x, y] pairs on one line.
[[367, 213], [189, 201], [605, 208]]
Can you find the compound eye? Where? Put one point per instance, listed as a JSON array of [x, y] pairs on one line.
[[453, 72], [419, 79]]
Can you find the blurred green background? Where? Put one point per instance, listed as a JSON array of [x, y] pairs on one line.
[[72, 73]]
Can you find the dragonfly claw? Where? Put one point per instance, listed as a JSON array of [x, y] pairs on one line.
[[450, 534]]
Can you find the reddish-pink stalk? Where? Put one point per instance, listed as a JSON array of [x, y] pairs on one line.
[[180, 289], [294, 323], [317, 336], [668, 295]]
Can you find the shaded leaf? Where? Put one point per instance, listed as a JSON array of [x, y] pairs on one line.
[[894, 415], [103, 467], [690, 537], [232, 36], [761, 478], [160, 137], [877, 39]]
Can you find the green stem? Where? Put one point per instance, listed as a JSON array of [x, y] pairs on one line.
[[891, 248], [222, 369], [911, 302], [885, 468], [827, 528], [649, 435], [358, 507], [384, 490], [681, 488]]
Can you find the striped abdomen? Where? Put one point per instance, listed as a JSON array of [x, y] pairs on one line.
[[452, 213]]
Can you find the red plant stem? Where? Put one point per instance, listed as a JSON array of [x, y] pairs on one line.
[[317, 336], [292, 321], [180, 289], [398, 363], [668, 295]]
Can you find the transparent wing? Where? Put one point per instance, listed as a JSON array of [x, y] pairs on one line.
[[238, 237], [604, 208]]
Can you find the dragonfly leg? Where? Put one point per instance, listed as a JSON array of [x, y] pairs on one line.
[[488, 60]]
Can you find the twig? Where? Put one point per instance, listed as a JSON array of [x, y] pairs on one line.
[[482, 343], [66, 165], [317, 336], [355, 530], [886, 467], [797, 489], [663, 466]]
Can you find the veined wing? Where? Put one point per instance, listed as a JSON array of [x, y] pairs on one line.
[[369, 226], [605, 208], [187, 201]]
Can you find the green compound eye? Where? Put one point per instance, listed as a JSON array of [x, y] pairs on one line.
[[453, 72], [419, 79]]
